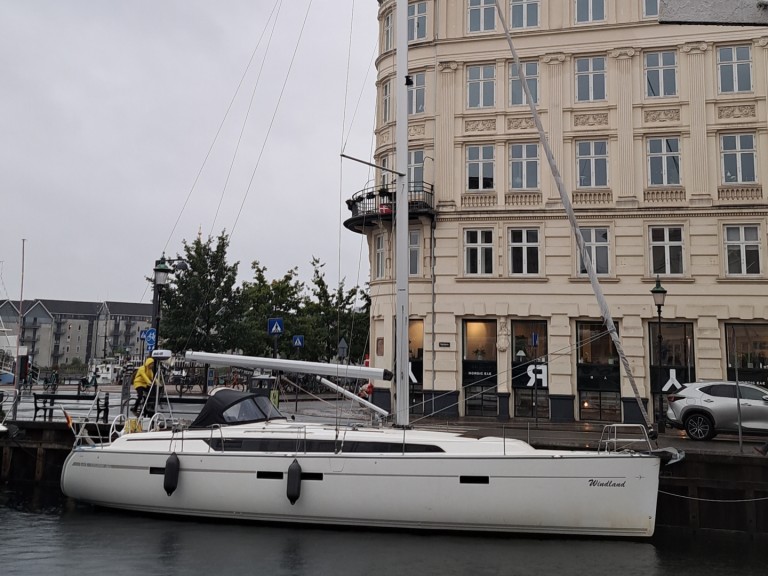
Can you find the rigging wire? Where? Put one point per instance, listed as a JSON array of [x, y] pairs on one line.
[[596, 287]]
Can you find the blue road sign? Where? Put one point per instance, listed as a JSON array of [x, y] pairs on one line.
[[151, 337], [275, 327], [298, 341], [143, 335]]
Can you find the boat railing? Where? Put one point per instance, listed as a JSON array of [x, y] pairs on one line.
[[214, 428], [624, 438]]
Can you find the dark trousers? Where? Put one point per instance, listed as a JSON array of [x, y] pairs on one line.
[[141, 394]]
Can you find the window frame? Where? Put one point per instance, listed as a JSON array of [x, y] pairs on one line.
[[482, 162], [591, 74], [525, 14], [379, 256], [525, 247], [525, 163], [388, 32], [514, 80], [593, 159], [665, 155], [483, 84], [481, 8], [667, 246], [735, 64], [743, 244], [479, 252], [646, 4], [417, 90], [414, 252], [660, 68], [594, 249], [386, 102], [739, 154], [590, 11], [417, 21]]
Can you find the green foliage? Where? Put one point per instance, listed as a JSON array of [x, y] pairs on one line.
[[201, 303], [204, 310]]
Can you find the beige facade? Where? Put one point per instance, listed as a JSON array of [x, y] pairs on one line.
[[658, 133]]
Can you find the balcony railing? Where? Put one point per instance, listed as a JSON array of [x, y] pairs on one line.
[[375, 202]]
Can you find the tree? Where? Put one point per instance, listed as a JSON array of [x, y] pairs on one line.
[[261, 300], [201, 304], [330, 316]]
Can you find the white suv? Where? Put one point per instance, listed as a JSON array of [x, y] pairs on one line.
[[704, 409]]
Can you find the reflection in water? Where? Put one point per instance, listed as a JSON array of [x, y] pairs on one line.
[[43, 534]]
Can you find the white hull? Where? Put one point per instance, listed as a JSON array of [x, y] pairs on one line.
[[471, 486]]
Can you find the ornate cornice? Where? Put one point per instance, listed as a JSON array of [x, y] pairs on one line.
[[520, 124], [694, 47], [488, 125], [598, 119], [554, 58], [447, 66], [666, 115], [762, 42], [743, 111], [416, 130], [622, 53]]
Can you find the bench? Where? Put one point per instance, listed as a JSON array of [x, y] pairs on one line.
[[46, 403]]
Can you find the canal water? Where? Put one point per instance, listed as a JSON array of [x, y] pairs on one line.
[[41, 532]]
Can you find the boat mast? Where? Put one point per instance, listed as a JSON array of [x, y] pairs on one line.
[[402, 371]]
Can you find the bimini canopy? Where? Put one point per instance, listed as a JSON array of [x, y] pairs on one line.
[[227, 407]]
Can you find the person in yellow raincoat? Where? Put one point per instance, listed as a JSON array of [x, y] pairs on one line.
[[142, 381]]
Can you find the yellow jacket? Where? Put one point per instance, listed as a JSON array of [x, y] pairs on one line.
[[145, 374]]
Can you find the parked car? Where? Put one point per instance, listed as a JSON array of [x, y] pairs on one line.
[[704, 409]]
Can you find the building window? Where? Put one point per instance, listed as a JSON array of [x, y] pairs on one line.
[[734, 66], [524, 166], [482, 15], [417, 21], [388, 32], [530, 382], [661, 74], [598, 375], [386, 97], [416, 170], [416, 94], [384, 176], [414, 252], [481, 84], [590, 10], [737, 152], [650, 8], [590, 79], [663, 161], [379, 256], [525, 13], [516, 93], [478, 252], [596, 243], [742, 250], [480, 165], [666, 250], [523, 251], [592, 162]]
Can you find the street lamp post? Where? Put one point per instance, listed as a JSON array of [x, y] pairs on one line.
[[162, 270], [659, 294]]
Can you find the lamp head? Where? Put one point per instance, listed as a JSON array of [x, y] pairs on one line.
[[659, 293]]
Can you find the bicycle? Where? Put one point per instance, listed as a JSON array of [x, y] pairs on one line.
[[184, 384], [50, 385], [85, 384]]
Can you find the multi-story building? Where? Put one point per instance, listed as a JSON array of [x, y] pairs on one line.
[[657, 131], [60, 332]]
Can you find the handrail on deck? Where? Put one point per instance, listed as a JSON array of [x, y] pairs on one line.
[[619, 438]]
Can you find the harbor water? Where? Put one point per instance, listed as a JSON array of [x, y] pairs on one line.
[[41, 532]]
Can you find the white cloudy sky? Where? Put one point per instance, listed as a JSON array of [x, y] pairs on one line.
[[108, 109]]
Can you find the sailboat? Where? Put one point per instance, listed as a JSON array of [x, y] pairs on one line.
[[242, 459]]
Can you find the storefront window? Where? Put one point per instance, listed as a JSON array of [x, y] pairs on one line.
[[747, 353], [479, 369], [598, 376], [678, 366], [416, 359], [529, 369]]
